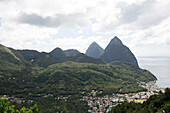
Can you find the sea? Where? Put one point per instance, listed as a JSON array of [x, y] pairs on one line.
[[159, 66]]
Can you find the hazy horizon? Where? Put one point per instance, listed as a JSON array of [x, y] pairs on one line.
[[159, 66]]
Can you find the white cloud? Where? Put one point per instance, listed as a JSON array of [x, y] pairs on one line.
[[24, 36], [58, 20], [157, 35], [35, 24]]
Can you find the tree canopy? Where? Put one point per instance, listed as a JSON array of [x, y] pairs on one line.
[[155, 104], [6, 108]]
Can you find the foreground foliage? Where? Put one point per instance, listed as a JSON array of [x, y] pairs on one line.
[[155, 104], [6, 108]]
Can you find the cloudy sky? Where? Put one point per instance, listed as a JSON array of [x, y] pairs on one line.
[[142, 25]]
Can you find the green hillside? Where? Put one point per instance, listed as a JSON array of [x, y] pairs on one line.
[[110, 78], [7, 55], [82, 58], [71, 52], [9, 60], [57, 55], [32, 80], [70, 78]]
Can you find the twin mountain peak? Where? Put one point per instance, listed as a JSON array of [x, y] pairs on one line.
[[115, 51]]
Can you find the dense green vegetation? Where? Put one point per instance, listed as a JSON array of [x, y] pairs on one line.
[[71, 52], [57, 55], [6, 108], [42, 82], [72, 77], [155, 104]]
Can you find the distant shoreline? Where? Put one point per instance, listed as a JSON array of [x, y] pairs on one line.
[[153, 56], [151, 86], [159, 66]]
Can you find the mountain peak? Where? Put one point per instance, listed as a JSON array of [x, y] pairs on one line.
[[116, 38], [116, 51], [116, 41], [57, 52], [94, 43], [94, 50], [56, 49], [71, 52]]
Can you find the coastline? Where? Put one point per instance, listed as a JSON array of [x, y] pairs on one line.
[[107, 102], [159, 66], [152, 87]]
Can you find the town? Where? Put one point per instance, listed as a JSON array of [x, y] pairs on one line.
[[105, 103], [101, 104]]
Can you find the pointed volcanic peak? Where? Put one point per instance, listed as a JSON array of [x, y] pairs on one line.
[[116, 51], [57, 53], [116, 41], [94, 50]]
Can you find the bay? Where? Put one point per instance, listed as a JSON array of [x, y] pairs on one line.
[[159, 66]]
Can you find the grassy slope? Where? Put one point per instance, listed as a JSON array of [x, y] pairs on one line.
[[87, 76]]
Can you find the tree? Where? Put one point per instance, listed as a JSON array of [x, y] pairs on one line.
[[6, 108], [155, 104], [167, 93], [166, 108]]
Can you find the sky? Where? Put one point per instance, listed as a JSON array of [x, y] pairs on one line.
[[142, 25]]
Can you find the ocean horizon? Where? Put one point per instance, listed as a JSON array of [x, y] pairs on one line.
[[159, 66]]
